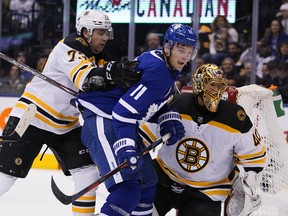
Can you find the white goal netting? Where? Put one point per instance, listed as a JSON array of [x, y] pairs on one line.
[[273, 185]]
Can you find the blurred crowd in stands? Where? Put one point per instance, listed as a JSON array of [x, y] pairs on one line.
[[219, 42]]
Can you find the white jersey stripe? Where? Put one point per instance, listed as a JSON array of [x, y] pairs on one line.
[[128, 106], [122, 119], [107, 149]]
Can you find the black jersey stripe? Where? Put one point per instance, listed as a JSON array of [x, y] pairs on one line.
[[84, 204], [76, 73], [44, 113], [145, 136]]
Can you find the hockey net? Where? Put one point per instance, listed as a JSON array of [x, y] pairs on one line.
[[273, 181]]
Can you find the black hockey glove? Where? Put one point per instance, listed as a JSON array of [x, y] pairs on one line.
[[122, 73], [94, 83], [113, 73]]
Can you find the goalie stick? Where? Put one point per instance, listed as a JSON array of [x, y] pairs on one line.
[[22, 125], [66, 199], [38, 74]]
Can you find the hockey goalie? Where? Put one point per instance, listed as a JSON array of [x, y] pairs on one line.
[[194, 174]]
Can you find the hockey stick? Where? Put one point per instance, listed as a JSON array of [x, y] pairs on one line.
[[22, 125], [66, 199], [38, 74]]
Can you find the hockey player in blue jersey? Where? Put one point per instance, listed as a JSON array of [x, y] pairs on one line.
[[111, 121]]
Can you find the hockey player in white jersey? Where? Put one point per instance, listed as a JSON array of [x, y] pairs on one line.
[[111, 122], [74, 63], [193, 174]]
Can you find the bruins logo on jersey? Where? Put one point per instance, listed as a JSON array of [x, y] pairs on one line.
[[241, 115], [192, 155]]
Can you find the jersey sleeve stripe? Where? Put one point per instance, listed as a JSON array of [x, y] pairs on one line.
[[128, 106], [79, 66], [80, 75], [122, 119], [252, 155]]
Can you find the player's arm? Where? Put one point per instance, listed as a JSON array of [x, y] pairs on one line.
[[113, 73], [87, 76], [249, 152], [132, 107]]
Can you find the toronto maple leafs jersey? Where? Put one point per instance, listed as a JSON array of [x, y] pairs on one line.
[[140, 102], [212, 144], [68, 64]]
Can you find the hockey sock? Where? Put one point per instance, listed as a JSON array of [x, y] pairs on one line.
[[145, 206], [7, 182], [123, 198], [82, 177]]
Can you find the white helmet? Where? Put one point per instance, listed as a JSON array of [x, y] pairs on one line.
[[92, 19]]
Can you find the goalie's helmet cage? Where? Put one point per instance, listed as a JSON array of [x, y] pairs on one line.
[[208, 82], [181, 34], [92, 19]]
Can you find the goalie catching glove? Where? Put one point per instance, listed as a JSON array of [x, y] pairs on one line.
[[170, 122], [244, 200], [113, 73], [125, 150]]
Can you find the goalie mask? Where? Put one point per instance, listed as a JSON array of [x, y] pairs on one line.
[[92, 19], [209, 84]]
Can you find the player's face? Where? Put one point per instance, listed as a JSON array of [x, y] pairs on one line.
[[99, 39], [180, 55]]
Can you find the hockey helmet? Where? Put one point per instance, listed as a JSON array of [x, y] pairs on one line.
[[209, 83], [181, 34], [92, 19]]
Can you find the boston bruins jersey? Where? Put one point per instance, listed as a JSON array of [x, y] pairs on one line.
[[213, 144], [69, 63]]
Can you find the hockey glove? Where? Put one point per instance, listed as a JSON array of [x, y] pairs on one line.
[[232, 93], [244, 199], [170, 122], [125, 150], [113, 73], [94, 83], [122, 73]]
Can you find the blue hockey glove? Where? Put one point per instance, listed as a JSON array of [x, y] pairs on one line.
[[170, 122], [125, 150]]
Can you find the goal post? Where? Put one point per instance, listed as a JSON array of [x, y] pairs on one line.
[[273, 180]]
